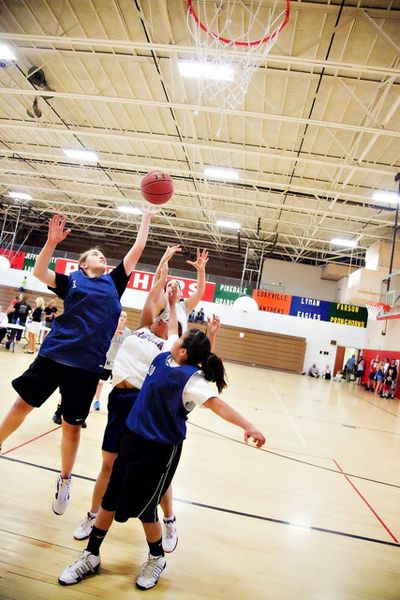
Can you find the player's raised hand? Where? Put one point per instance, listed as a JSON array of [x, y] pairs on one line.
[[149, 210], [57, 231], [201, 260]]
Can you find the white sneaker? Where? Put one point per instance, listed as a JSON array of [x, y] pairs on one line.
[[169, 536], [150, 572], [87, 564], [61, 497], [85, 528]]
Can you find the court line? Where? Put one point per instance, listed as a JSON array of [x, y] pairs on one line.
[[381, 521], [284, 522], [228, 510], [297, 460], [37, 437], [397, 416], [297, 416], [285, 410], [291, 458]]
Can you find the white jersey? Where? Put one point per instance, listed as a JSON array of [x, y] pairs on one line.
[[136, 354], [116, 344], [180, 313]]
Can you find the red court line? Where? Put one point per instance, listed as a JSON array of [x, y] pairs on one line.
[[31, 440], [367, 503]]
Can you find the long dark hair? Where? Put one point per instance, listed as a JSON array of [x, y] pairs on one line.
[[198, 350]]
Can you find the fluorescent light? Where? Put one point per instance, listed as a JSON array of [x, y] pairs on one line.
[[83, 155], [382, 196], [229, 224], [344, 242], [6, 53], [20, 195], [205, 70], [221, 173], [130, 210]]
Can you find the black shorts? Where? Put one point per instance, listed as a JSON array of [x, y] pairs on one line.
[[106, 374], [120, 402], [142, 473], [44, 376]]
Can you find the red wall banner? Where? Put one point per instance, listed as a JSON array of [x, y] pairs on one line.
[[16, 258], [143, 281]]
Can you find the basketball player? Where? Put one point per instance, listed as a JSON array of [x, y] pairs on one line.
[[185, 307], [129, 371], [150, 449], [73, 354]]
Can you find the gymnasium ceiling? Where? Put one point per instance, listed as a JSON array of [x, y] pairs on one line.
[[317, 134]]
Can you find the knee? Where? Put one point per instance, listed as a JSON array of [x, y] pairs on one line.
[[21, 406], [72, 432], [107, 465]]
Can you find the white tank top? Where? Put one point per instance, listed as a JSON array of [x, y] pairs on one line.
[[135, 356]]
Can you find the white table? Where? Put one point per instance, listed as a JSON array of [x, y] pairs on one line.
[[15, 327]]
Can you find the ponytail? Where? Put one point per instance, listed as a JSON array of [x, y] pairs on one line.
[[198, 350], [214, 370]]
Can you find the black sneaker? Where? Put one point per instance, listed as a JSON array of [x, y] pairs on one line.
[[57, 415]]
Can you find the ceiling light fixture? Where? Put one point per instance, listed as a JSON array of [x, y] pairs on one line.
[[344, 242], [221, 173], [20, 195], [130, 210], [382, 196], [204, 70], [6, 53], [81, 155], [228, 224]]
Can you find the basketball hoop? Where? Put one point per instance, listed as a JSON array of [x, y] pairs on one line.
[[232, 40], [375, 308]]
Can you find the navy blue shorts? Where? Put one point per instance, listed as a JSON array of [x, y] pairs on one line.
[[44, 376], [142, 473], [120, 402], [106, 374]]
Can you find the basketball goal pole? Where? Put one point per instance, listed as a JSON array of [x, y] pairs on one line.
[[395, 227]]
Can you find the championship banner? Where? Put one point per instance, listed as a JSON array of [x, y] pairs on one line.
[[30, 262], [227, 294], [16, 258], [143, 281], [348, 314], [310, 308], [272, 301]]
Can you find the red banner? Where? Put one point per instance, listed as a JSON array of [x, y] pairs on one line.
[[143, 281], [16, 258]]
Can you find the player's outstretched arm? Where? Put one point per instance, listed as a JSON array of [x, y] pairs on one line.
[[56, 234], [166, 257], [132, 257], [226, 412], [200, 265], [213, 325], [148, 313]]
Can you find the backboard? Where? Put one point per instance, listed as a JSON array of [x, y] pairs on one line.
[[390, 294]]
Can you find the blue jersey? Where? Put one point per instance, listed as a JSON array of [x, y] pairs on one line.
[[158, 414], [82, 335]]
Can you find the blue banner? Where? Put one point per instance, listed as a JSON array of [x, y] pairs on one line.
[[309, 308]]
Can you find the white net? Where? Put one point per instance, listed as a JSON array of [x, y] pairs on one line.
[[374, 309], [232, 39]]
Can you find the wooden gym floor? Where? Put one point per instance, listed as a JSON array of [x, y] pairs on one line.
[[282, 523]]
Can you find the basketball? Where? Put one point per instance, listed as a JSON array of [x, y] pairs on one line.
[[157, 187]]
